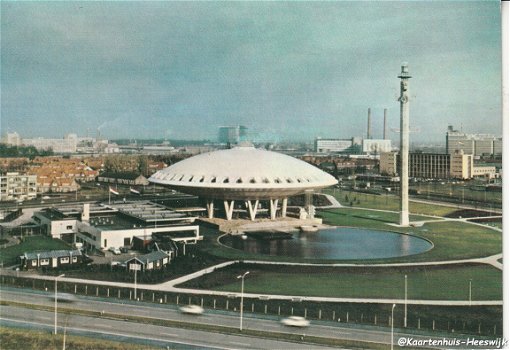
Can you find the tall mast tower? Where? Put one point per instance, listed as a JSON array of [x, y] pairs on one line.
[[404, 145]]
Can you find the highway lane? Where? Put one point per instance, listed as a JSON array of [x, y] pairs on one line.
[[140, 333], [215, 317]]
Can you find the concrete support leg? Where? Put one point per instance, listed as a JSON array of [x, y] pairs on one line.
[[229, 209], [252, 209], [273, 203], [210, 209], [284, 207]]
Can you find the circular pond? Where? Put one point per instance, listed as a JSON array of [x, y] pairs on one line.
[[342, 243]]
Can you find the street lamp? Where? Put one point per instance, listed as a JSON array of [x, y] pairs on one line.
[[56, 278], [405, 301], [242, 299], [392, 308]]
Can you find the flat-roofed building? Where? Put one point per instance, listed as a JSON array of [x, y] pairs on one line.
[[102, 226], [430, 165], [15, 186], [332, 145], [472, 144], [374, 146], [488, 172], [388, 163]]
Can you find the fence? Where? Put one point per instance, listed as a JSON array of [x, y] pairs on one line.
[[474, 320]]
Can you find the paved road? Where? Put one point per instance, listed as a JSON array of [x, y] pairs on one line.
[[212, 317], [147, 334]]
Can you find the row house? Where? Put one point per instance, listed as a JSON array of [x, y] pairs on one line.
[[51, 259]]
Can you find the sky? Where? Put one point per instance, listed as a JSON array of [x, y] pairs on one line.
[[286, 70]]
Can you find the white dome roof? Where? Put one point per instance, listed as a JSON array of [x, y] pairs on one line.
[[243, 173]]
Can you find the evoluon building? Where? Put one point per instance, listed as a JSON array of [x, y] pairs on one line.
[[245, 174]]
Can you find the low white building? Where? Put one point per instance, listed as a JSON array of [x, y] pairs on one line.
[[113, 226], [375, 146]]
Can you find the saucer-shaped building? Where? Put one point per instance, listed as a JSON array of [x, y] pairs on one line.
[[244, 174]]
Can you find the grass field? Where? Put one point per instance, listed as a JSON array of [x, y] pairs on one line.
[[385, 202], [452, 239], [445, 283], [30, 243], [14, 339], [389, 201]]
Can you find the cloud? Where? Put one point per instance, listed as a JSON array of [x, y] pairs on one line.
[[297, 69]]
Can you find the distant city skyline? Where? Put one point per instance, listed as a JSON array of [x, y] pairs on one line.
[[286, 71]]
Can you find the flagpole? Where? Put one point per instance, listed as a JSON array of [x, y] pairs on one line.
[[109, 196]]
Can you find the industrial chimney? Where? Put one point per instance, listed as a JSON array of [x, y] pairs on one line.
[[384, 124], [369, 126]]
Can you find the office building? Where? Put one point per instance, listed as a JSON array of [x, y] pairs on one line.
[[232, 134], [472, 144], [430, 165]]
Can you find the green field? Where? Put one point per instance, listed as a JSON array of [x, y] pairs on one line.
[[14, 339], [452, 239], [389, 201], [439, 283], [386, 202], [10, 254]]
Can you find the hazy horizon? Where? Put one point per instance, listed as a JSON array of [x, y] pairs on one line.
[[286, 70]]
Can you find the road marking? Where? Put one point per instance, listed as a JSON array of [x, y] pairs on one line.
[[239, 343]]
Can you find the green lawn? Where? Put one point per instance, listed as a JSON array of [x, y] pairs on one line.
[[389, 201], [448, 283], [452, 239], [30, 243], [386, 202]]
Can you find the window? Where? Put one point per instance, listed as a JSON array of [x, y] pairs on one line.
[[75, 259], [69, 227], [44, 262], [64, 260], [34, 262]]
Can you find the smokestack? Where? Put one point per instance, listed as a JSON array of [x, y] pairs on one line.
[[384, 124], [369, 126]]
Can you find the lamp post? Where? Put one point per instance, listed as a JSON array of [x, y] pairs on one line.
[[56, 278], [392, 308], [242, 299], [405, 301]]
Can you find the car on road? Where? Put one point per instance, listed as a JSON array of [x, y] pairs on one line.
[[295, 321], [64, 297], [192, 309], [115, 251]]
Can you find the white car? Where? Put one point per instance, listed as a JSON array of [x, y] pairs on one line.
[[295, 321], [192, 309], [115, 251]]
